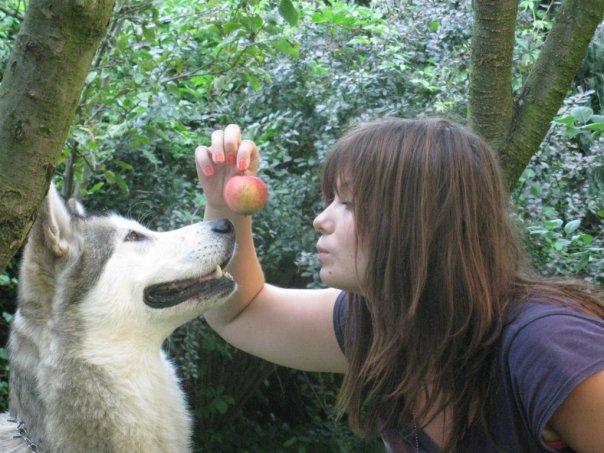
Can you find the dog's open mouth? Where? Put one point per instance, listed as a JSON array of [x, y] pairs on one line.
[[172, 293]]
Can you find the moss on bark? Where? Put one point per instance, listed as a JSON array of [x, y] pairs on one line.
[[40, 91]]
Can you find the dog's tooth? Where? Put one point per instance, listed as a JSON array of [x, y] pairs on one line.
[[218, 272]]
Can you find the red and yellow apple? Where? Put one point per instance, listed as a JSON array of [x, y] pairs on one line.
[[245, 194]]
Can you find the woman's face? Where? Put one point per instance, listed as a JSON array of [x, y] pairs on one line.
[[337, 246]]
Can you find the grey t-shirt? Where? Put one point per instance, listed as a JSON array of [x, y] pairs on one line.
[[546, 351]]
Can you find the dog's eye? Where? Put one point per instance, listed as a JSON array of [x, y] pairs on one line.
[[134, 236]]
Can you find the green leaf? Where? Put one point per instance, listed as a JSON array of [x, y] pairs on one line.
[[4, 280], [114, 178], [572, 132], [560, 244], [586, 239], [91, 76], [96, 187], [434, 25], [123, 165], [285, 46], [256, 23], [149, 33], [121, 183], [572, 226], [288, 12], [220, 406], [553, 224], [253, 80], [289, 442], [567, 120], [537, 230], [122, 42], [201, 80], [582, 114], [596, 127], [550, 212]]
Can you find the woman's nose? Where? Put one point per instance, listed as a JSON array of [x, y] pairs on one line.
[[320, 221]]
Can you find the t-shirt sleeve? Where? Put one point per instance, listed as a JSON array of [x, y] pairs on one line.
[[548, 358], [340, 311]]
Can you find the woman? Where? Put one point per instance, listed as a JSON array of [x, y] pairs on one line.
[[445, 340]]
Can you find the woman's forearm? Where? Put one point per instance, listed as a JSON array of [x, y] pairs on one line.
[[244, 267]]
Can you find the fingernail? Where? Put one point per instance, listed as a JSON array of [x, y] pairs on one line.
[[208, 170], [242, 165], [219, 158], [231, 159]]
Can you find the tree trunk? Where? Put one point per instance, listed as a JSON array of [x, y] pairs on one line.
[[516, 132], [42, 84], [491, 104]]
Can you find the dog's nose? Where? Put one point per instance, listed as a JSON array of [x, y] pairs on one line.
[[222, 226]]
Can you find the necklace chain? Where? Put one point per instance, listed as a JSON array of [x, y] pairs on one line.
[[415, 433], [23, 434]]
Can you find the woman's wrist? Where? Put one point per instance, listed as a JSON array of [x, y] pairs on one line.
[[213, 211]]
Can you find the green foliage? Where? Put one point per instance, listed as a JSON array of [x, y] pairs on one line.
[[295, 75], [559, 195]]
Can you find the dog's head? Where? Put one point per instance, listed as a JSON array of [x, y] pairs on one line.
[[111, 274]]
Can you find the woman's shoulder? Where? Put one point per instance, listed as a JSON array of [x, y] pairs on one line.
[[535, 321], [550, 334], [543, 314], [547, 350]]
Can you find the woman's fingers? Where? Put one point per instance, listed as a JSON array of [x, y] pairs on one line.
[[247, 154], [232, 140], [203, 161], [217, 147], [227, 147]]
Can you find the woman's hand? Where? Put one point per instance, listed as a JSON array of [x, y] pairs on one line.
[[227, 156]]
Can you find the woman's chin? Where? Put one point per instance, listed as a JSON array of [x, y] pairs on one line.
[[333, 281]]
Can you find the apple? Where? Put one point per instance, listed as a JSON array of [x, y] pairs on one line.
[[245, 194]]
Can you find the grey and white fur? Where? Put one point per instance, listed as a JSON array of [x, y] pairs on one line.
[[97, 297]]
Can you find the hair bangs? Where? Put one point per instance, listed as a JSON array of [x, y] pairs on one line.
[[337, 171]]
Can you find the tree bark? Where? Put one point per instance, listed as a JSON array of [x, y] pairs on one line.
[[42, 84], [548, 82], [515, 129], [491, 104]]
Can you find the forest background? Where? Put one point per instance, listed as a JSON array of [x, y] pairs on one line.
[[295, 76]]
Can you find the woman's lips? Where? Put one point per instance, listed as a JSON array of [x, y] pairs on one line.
[[321, 253]]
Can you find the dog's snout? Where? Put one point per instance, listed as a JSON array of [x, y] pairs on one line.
[[222, 226]]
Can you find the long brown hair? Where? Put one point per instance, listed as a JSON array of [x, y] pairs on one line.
[[445, 266]]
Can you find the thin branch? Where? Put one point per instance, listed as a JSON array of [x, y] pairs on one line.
[[549, 81]]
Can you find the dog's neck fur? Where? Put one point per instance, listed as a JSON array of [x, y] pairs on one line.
[[99, 403], [104, 396]]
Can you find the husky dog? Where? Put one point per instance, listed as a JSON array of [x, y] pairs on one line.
[[97, 297]]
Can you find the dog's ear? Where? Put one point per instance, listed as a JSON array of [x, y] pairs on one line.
[[59, 221], [76, 209]]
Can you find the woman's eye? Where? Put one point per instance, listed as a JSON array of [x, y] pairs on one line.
[[134, 236]]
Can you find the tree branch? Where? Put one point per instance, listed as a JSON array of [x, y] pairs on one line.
[[42, 83], [548, 82]]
